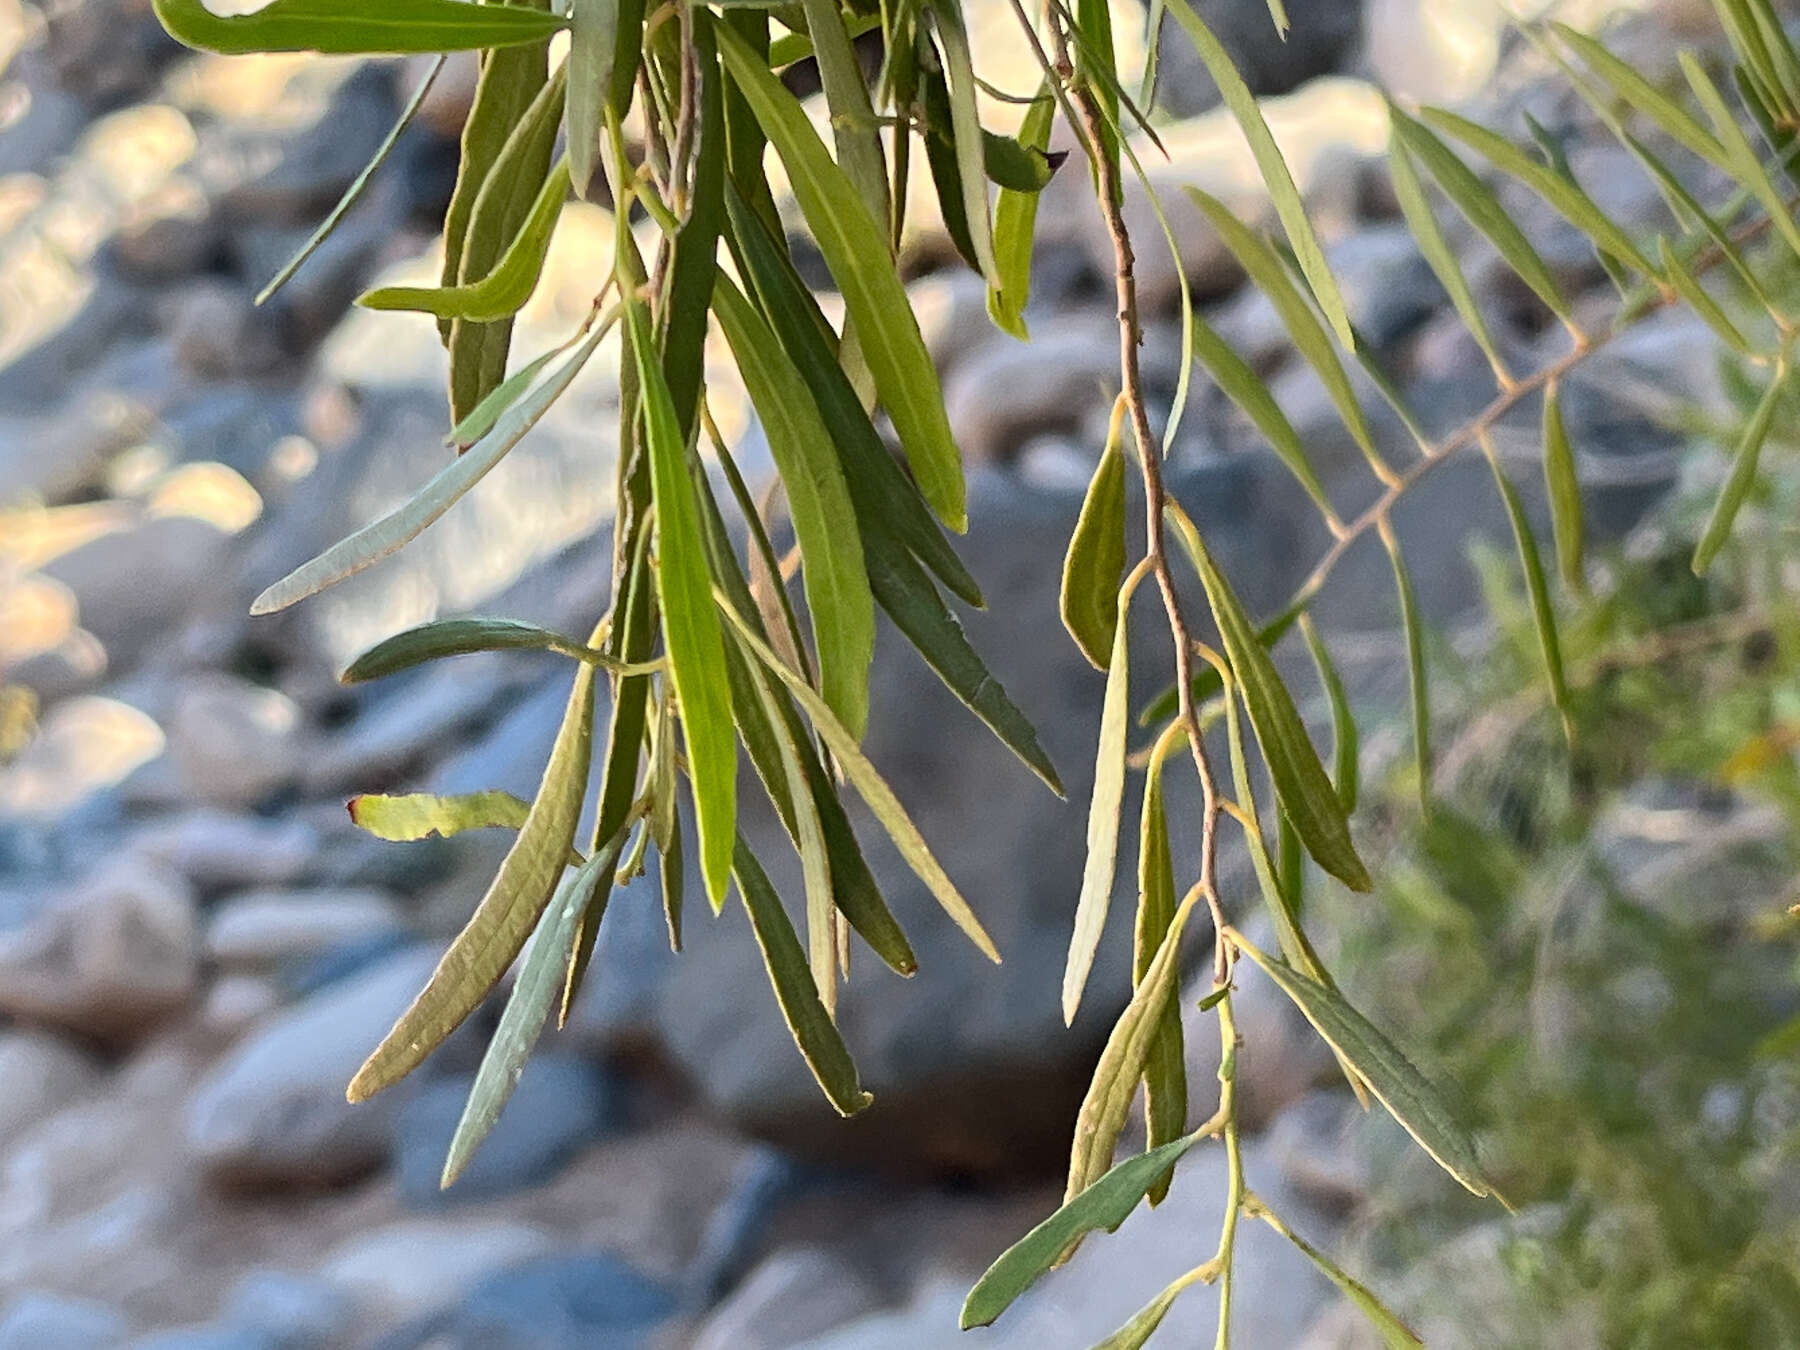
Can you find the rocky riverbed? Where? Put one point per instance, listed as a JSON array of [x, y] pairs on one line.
[[197, 949]]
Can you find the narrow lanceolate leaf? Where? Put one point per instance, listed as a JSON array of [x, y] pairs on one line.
[[1395, 1334], [1345, 742], [965, 122], [811, 1026], [375, 541], [1688, 287], [1244, 387], [1743, 476], [1562, 194], [1645, 97], [593, 39], [1420, 1107], [1563, 489], [1744, 163], [1103, 820], [1543, 613], [351, 28], [1482, 209], [853, 128], [487, 412], [1413, 625], [354, 192], [690, 622], [837, 587], [1423, 222], [871, 787], [1104, 1205], [1305, 791], [417, 815], [1095, 562], [504, 919], [456, 637], [1097, 67], [1303, 326], [1143, 1323], [508, 286], [1274, 169], [1207, 683], [534, 992], [1015, 224], [1122, 1062], [855, 248], [1165, 1072]]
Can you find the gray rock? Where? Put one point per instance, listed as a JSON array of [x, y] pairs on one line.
[[796, 1293], [35, 1321], [1323, 36], [235, 1003], [423, 1265], [259, 929], [563, 1302], [294, 1311], [232, 743], [42, 1075], [220, 849], [1318, 1142], [317, 165], [220, 334], [206, 1337], [109, 958], [559, 1104], [273, 1110]]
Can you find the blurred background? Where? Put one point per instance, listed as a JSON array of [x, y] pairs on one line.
[[197, 949]]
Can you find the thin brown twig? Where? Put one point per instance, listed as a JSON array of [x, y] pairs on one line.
[[1150, 462]]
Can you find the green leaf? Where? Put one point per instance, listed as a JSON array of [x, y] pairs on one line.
[[1481, 208], [946, 168], [1542, 612], [1564, 196], [520, 891], [376, 540], [481, 420], [1244, 387], [811, 1026], [1743, 476], [1415, 206], [853, 127], [1564, 491], [605, 38], [415, 815], [690, 623], [683, 306], [965, 122], [855, 248], [1688, 287], [1282, 191], [1297, 317], [1096, 65], [350, 28], [1395, 1334], [1015, 225], [1305, 792], [539, 982], [870, 786], [1645, 97], [1207, 683], [1414, 627], [456, 637], [1123, 1061], [1018, 164], [506, 288], [1165, 1071], [1345, 742], [354, 192], [1420, 1108], [1106, 1204], [1103, 819], [497, 215], [1142, 1324], [1744, 163], [837, 587], [1095, 561]]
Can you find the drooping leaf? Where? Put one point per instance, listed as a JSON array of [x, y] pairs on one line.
[[1017, 163], [1282, 191], [1165, 1071], [1104, 1205], [959, 71], [1244, 387], [1543, 613], [871, 787], [506, 288], [593, 39], [1743, 476], [456, 637], [375, 541], [1103, 820], [1744, 163], [1143, 1323], [1420, 1107], [1305, 792], [416, 815], [1095, 561], [687, 296], [1694, 295], [1645, 97], [507, 914], [1206, 681], [855, 248], [1563, 489], [487, 412], [946, 169], [1395, 1334], [811, 1026], [1346, 744], [853, 127], [690, 622], [528, 1007], [1413, 625], [1015, 225], [350, 28], [837, 586]]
